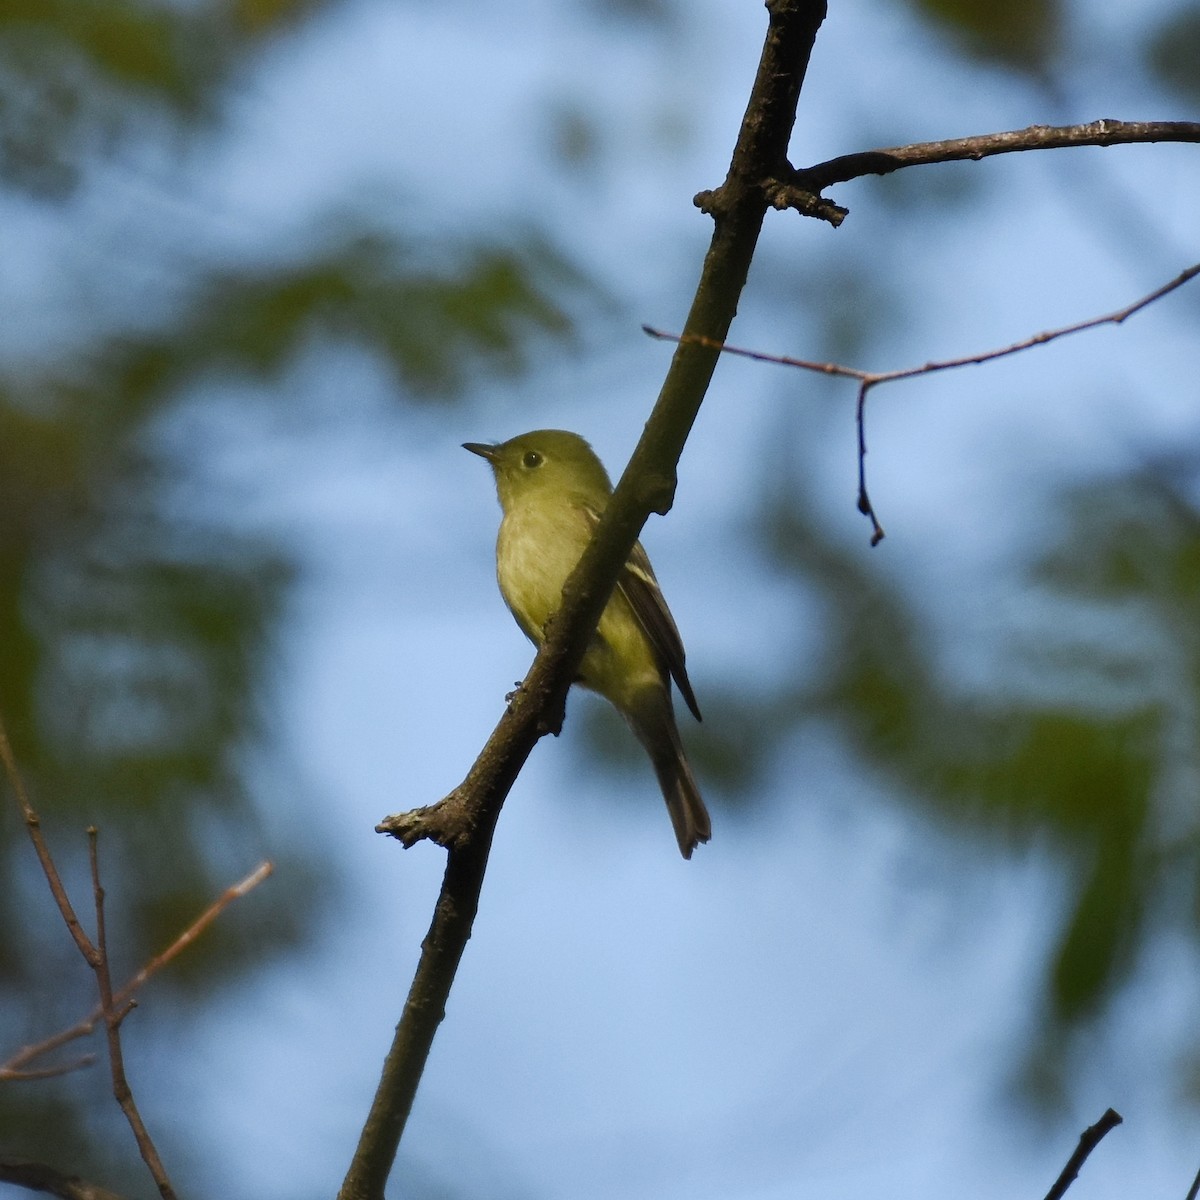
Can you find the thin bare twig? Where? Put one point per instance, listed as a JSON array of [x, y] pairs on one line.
[[195, 929], [1088, 1141], [114, 1014], [875, 377], [1040, 339], [10, 1074], [870, 379], [33, 825], [864, 500], [14, 1068]]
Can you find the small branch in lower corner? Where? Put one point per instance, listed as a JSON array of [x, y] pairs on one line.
[[1088, 1141]]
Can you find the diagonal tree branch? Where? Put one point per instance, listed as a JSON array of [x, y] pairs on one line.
[[465, 820], [759, 177]]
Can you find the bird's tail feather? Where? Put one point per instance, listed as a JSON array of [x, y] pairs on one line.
[[657, 731]]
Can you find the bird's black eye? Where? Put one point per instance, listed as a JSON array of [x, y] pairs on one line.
[[532, 459]]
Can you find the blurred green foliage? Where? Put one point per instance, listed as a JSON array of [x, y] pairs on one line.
[[1096, 764], [136, 644], [135, 640], [1173, 50], [1024, 34], [80, 77]]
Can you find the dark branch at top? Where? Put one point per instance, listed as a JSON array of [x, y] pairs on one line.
[[801, 189], [1036, 137]]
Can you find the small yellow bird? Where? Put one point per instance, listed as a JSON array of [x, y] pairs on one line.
[[553, 489]]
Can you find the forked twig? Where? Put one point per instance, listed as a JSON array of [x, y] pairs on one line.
[[33, 826], [738, 206], [870, 379], [114, 1007], [16, 1067]]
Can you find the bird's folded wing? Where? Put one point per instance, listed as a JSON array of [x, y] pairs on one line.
[[639, 586]]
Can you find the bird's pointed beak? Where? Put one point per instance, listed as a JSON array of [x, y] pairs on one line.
[[484, 451]]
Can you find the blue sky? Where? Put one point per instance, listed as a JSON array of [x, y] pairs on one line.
[[830, 999]]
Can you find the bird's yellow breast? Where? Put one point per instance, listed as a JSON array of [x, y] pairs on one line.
[[536, 551]]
